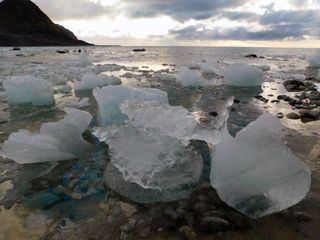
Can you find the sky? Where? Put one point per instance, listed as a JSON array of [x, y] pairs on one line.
[[258, 23]]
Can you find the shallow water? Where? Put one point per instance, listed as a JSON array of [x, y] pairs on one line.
[[71, 198]]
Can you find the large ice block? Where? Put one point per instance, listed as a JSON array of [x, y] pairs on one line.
[[28, 89], [243, 75], [90, 81], [176, 121], [109, 99], [152, 161], [56, 141], [255, 172], [191, 78]]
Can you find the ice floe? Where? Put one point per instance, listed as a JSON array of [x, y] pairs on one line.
[[243, 75], [90, 81], [56, 141], [109, 99], [152, 161], [314, 61], [77, 103], [190, 78], [255, 172], [28, 90]]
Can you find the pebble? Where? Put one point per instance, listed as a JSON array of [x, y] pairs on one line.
[[293, 116], [214, 224], [280, 115], [187, 232]]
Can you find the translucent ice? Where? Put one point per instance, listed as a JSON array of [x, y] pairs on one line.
[[77, 103], [314, 61], [28, 89], [164, 77], [243, 75], [90, 81], [56, 141], [190, 78], [255, 172], [83, 60], [176, 121], [109, 99], [207, 69], [152, 161]]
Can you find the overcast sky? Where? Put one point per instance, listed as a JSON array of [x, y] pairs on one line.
[[292, 23]]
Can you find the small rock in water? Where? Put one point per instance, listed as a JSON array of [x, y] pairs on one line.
[[309, 116], [251, 56], [294, 85], [293, 116]]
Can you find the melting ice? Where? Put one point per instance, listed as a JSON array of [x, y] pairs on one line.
[[28, 89], [56, 141], [255, 172]]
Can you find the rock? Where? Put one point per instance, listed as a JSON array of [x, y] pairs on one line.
[[128, 209], [294, 85], [145, 232], [172, 214], [275, 101], [16, 49], [293, 116], [214, 224], [280, 115], [130, 226], [213, 114], [251, 56], [187, 232], [201, 207], [302, 216], [261, 98], [283, 97], [139, 50], [62, 51], [314, 95], [309, 116]]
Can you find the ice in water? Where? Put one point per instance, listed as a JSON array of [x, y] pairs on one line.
[[314, 61], [83, 60], [190, 78], [90, 81], [255, 172], [56, 141], [243, 75], [109, 99], [152, 161], [176, 121], [28, 90]]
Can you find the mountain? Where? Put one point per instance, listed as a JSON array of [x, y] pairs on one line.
[[22, 23]]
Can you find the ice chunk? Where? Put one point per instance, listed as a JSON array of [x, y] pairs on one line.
[[176, 121], [264, 68], [77, 103], [152, 161], [207, 69], [314, 61], [90, 81], [28, 89], [109, 99], [190, 78], [56, 141], [243, 75], [255, 172], [164, 77], [84, 60]]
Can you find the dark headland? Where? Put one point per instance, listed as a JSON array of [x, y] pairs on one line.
[[22, 23]]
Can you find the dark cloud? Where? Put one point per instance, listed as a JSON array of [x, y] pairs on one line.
[[71, 9], [180, 10]]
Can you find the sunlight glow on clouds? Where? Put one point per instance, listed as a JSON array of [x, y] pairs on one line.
[[192, 22]]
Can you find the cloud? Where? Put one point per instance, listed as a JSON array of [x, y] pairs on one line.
[[180, 10], [72, 9]]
